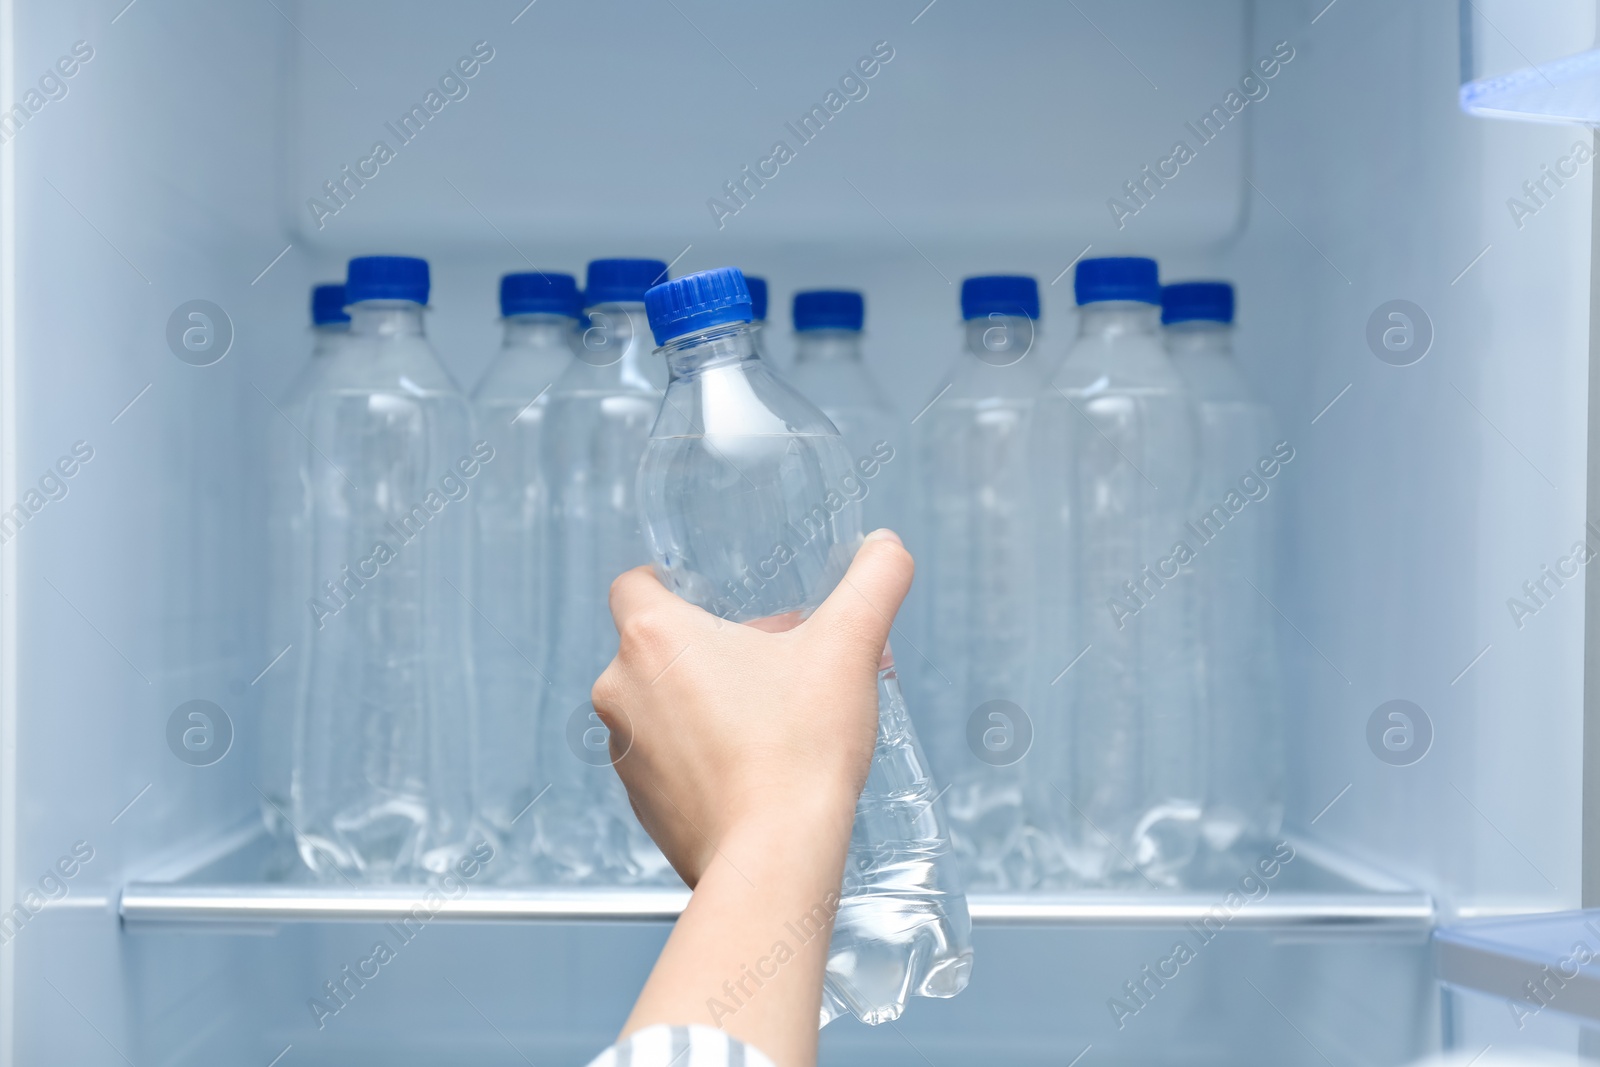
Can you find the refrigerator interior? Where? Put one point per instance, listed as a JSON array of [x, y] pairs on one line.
[[178, 165]]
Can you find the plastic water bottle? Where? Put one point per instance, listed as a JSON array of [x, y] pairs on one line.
[[738, 465], [976, 566], [829, 372], [1233, 622], [540, 312], [758, 311], [288, 541], [1116, 472], [758, 299], [382, 779], [596, 422]]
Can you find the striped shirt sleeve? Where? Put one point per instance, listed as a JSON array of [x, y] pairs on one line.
[[680, 1046]]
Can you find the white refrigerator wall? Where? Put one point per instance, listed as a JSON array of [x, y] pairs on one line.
[[150, 183], [1430, 492], [178, 167]]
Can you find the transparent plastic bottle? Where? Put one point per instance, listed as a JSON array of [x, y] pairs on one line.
[[739, 464], [976, 567], [758, 307], [382, 780], [597, 420], [1233, 626], [1116, 474], [758, 311], [288, 545], [830, 372], [540, 311]]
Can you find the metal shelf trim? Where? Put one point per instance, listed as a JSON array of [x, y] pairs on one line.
[[165, 904], [223, 884]]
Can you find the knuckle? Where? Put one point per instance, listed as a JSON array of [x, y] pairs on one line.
[[607, 688], [618, 584], [643, 634], [622, 579]]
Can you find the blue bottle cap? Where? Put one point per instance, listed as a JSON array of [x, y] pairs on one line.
[[829, 309], [386, 278], [327, 304], [697, 302], [1192, 301], [536, 293], [999, 294], [1117, 278], [621, 281], [758, 297]]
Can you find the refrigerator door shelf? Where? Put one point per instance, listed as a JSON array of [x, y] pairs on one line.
[[1540, 961], [1564, 90], [1319, 894], [1518, 61]]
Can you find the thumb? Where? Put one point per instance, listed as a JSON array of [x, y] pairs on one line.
[[863, 607]]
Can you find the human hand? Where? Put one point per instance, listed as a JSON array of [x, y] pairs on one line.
[[744, 750], [717, 727]]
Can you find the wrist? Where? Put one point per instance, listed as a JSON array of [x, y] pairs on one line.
[[802, 830], [781, 809]]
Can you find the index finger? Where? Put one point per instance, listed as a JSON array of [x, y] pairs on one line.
[[640, 590]]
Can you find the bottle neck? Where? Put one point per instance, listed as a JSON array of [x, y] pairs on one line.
[[1198, 336], [821, 346], [690, 354], [537, 330], [1114, 318], [1006, 338], [386, 318], [326, 338], [612, 331]]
